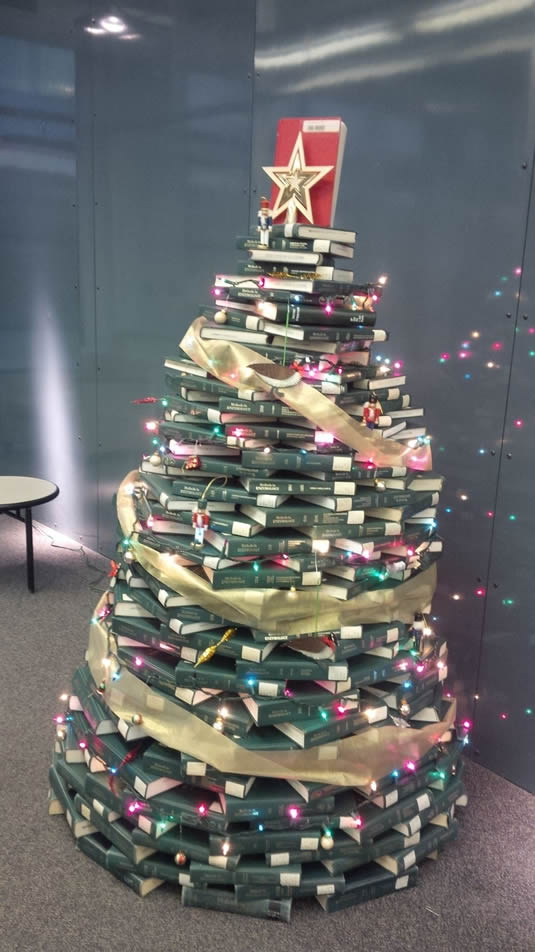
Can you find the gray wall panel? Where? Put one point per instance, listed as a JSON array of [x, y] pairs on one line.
[[47, 360], [438, 107], [171, 171]]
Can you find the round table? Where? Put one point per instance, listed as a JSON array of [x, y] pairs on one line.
[[24, 492]]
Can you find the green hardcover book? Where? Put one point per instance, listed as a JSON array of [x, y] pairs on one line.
[[292, 665], [97, 787], [202, 874], [137, 630], [74, 775], [194, 490], [298, 515], [225, 900], [365, 884], [219, 467], [228, 523], [307, 487], [235, 785], [138, 884], [233, 317], [317, 246], [431, 839], [138, 602], [254, 870], [344, 535], [120, 834], [192, 842], [193, 433], [312, 731], [439, 803], [265, 575], [177, 380], [372, 637], [237, 434], [375, 820], [220, 672], [80, 826], [270, 798], [150, 666], [250, 891], [263, 408], [271, 542], [99, 849], [298, 462]]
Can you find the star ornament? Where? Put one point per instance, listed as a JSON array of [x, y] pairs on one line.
[[295, 181]]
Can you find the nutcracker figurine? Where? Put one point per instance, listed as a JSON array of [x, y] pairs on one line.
[[372, 410], [264, 221], [200, 520]]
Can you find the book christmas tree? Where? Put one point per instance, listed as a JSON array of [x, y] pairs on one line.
[[261, 714]]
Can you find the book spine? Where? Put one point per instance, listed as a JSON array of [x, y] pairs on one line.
[[354, 897], [227, 902], [263, 578]]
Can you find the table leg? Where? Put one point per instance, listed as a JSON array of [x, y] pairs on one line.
[[29, 550]]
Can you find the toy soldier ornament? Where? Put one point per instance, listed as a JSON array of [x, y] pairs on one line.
[[200, 520], [264, 221], [371, 412]]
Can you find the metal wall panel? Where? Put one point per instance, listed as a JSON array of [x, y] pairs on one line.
[[505, 721], [438, 103], [171, 112], [47, 379]]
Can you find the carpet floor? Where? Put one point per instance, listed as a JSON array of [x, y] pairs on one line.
[[479, 896]]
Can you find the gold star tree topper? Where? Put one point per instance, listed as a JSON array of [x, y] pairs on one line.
[[294, 183]]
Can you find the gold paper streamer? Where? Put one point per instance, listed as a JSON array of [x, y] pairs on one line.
[[231, 363], [353, 761], [272, 610]]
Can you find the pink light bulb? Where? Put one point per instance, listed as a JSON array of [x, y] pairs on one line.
[[497, 345], [341, 709], [445, 356], [410, 552], [328, 309], [138, 661], [375, 297], [201, 809], [238, 431], [323, 438], [504, 716], [261, 282], [467, 725], [151, 426], [293, 812], [518, 272], [519, 423], [398, 364], [358, 821], [59, 719], [480, 592], [420, 668], [410, 765], [82, 744]]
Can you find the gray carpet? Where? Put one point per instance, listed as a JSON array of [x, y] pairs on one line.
[[479, 897]]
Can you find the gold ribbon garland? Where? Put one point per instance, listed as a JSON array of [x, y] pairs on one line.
[[353, 761], [269, 609], [231, 363]]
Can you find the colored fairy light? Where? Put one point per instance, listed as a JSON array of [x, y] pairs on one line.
[[447, 509], [321, 546], [260, 827], [463, 354], [467, 725], [293, 812], [398, 364], [445, 356], [328, 309], [358, 819], [382, 279], [341, 709], [420, 668], [267, 449], [517, 272], [512, 517], [238, 431], [528, 710], [59, 719], [456, 597], [82, 744], [395, 774], [490, 514], [508, 601], [481, 451], [151, 426], [323, 438], [476, 697], [375, 297], [498, 293], [64, 697], [138, 661], [373, 786], [497, 345], [475, 334], [323, 715], [468, 376], [440, 665], [261, 282], [407, 684], [410, 765], [225, 849], [464, 497], [531, 330], [223, 712], [490, 364], [256, 566], [202, 809], [519, 423], [250, 682], [480, 592], [504, 716]]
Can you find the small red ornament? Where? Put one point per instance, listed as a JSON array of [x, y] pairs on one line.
[[193, 462], [200, 520], [180, 858], [371, 412], [114, 568]]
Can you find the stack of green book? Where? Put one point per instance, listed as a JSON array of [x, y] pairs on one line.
[[239, 500]]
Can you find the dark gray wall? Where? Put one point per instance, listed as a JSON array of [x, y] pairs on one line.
[[126, 168]]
